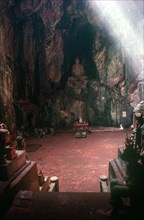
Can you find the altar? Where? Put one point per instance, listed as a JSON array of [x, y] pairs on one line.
[[81, 129]]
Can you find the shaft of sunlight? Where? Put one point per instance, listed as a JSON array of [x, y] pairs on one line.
[[115, 14]]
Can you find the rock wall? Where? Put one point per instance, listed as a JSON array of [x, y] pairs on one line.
[[7, 114], [39, 42]]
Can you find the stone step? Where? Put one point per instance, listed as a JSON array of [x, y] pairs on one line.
[[114, 170], [120, 152], [59, 205], [120, 167]]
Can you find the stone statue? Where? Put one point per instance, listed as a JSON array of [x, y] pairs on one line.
[[78, 81], [77, 68]]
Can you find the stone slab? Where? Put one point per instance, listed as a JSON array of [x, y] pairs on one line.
[[114, 172]]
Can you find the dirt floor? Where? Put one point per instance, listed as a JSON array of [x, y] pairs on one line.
[[78, 162]]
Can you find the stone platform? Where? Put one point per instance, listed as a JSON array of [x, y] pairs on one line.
[[59, 206]]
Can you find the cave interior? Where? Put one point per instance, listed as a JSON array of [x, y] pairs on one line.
[[69, 61]]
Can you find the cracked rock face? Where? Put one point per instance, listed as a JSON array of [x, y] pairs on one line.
[[39, 44]]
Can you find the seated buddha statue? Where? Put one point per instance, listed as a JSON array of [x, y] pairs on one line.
[[78, 80], [77, 68]]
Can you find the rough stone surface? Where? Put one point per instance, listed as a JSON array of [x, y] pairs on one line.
[[39, 41]]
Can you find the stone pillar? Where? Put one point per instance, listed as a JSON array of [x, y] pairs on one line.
[[103, 183], [54, 179]]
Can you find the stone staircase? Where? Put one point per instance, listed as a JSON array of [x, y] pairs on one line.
[[22, 174], [117, 170]]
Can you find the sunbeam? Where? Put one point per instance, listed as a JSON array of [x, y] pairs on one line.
[[123, 27]]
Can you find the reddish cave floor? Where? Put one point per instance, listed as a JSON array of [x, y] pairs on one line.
[[77, 162]]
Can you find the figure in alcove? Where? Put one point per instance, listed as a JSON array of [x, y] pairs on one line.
[[78, 80], [77, 68]]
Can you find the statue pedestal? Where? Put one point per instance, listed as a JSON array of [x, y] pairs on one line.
[[77, 83]]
